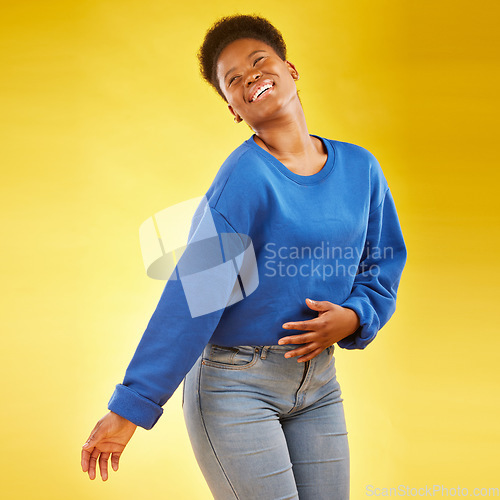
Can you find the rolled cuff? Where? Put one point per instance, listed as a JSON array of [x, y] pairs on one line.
[[366, 332], [130, 405]]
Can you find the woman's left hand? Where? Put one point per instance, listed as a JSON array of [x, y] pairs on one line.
[[333, 323]]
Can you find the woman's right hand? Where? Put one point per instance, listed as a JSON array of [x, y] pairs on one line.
[[109, 437]]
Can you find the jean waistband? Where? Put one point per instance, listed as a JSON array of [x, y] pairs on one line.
[[276, 347], [263, 349]]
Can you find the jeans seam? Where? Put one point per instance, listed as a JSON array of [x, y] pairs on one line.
[[207, 435], [302, 390]]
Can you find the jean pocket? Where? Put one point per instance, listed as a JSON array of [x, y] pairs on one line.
[[330, 349], [232, 358]]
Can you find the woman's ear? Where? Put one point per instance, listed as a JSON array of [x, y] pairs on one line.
[[293, 70], [237, 117]]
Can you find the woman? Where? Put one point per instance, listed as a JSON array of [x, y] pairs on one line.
[[314, 218]]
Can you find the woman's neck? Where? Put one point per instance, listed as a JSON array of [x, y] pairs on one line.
[[286, 134], [288, 140]]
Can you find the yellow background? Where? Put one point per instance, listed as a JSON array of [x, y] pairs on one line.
[[105, 121]]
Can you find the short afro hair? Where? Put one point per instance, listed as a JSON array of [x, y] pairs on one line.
[[228, 29]]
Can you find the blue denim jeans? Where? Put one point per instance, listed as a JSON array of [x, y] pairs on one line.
[[265, 427]]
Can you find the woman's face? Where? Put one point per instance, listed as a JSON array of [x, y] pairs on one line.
[[257, 83]]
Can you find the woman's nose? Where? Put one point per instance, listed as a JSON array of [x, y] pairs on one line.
[[252, 77]]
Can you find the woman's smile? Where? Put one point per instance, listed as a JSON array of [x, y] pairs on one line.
[[260, 90]]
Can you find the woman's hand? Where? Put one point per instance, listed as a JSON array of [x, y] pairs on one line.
[[333, 323], [110, 436]]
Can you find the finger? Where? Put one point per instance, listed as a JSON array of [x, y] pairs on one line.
[[299, 351], [91, 441], [103, 465], [92, 462], [310, 355], [319, 305], [87, 451], [115, 460], [297, 339], [85, 460], [300, 325]]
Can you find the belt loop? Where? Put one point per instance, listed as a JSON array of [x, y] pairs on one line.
[[263, 352], [207, 350]]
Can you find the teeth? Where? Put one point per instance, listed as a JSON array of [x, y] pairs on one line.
[[262, 90]]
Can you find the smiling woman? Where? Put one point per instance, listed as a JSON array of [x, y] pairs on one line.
[[248, 72], [261, 424]]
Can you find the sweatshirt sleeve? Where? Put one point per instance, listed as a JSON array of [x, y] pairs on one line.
[[190, 307], [373, 295]]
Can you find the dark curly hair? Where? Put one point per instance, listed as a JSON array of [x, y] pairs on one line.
[[228, 29]]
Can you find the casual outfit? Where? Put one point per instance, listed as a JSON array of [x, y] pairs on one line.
[[263, 241]]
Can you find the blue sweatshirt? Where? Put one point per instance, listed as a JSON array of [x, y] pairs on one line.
[[265, 240]]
